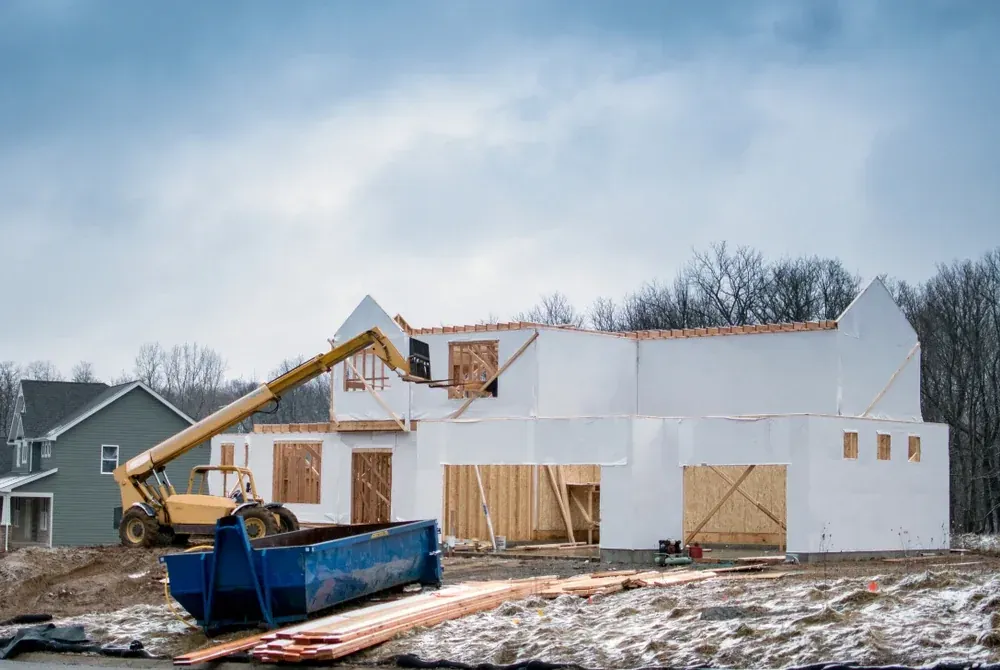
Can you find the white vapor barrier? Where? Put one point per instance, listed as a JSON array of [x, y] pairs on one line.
[[874, 339], [733, 441], [517, 386], [729, 375], [642, 502], [869, 504], [577, 441], [585, 374]]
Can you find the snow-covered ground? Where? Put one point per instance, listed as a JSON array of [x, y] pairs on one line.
[[912, 619], [983, 544]]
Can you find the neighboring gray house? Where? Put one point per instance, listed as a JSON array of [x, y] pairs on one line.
[[65, 440]]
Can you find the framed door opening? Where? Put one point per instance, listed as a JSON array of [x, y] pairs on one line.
[[736, 505]]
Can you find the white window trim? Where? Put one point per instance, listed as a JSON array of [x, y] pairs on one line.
[[46, 450], [117, 458]]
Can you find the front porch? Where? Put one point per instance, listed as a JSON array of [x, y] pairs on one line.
[[26, 521]]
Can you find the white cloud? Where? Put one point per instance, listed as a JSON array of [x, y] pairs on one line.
[[451, 197]]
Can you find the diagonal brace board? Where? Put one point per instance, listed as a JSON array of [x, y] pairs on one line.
[[496, 374], [718, 505], [768, 513], [892, 379], [378, 398], [557, 490]]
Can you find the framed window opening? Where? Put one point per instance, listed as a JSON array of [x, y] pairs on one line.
[[851, 445], [884, 447], [371, 368], [109, 458], [471, 364], [914, 449]]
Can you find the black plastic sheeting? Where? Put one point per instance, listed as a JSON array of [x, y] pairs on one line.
[[411, 661], [50, 637]]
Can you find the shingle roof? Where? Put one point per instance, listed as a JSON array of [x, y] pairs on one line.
[[49, 404]]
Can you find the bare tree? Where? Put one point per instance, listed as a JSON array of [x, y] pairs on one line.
[[308, 403], [83, 372], [44, 371], [149, 366], [193, 378], [554, 310]]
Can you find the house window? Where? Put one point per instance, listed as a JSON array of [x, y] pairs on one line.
[[15, 512], [884, 447], [227, 453], [914, 449], [850, 445], [297, 468], [471, 365], [109, 458], [43, 514], [46, 450], [369, 366]]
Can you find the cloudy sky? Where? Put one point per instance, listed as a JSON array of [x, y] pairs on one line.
[[241, 174]]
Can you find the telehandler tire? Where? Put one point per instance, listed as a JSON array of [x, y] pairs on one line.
[[287, 521], [138, 530], [259, 522]]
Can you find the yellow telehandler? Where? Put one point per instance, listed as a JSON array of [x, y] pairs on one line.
[[154, 513]]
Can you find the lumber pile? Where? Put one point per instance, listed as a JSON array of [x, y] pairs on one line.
[[333, 637]]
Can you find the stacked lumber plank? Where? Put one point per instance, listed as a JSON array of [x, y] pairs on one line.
[[339, 635]]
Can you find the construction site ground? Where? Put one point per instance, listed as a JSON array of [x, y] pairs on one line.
[[872, 612]]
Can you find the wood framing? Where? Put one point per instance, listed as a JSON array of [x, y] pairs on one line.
[[523, 504], [340, 426], [371, 486], [472, 364], [365, 371], [228, 450], [379, 400], [297, 472], [491, 380], [717, 512]]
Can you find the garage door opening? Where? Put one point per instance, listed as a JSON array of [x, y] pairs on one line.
[[527, 503], [736, 505]]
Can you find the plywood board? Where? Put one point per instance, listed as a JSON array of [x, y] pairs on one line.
[[549, 517], [738, 521]]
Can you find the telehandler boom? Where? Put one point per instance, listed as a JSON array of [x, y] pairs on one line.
[[152, 510]]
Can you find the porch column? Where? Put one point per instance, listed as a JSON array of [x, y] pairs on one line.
[[5, 519]]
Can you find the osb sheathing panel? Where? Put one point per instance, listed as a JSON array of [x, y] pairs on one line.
[[737, 521], [511, 495]]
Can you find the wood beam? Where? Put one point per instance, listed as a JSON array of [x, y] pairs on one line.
[[557, 491], [722, 501], [378, 398], [773, 517], [493, 377], [892, 379]]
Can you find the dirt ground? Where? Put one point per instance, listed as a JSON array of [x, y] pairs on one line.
[[116, 593]]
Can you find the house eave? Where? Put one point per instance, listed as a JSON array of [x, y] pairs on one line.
[[27, 479], [59, 430]]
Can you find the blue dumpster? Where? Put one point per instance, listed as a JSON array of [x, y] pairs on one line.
[[288, 577]]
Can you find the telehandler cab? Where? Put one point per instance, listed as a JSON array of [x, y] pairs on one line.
[[154, 513]]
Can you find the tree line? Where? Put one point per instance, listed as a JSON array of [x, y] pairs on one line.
[[956, 314]]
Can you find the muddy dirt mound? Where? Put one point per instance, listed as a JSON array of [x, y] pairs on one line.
[[72, 581]]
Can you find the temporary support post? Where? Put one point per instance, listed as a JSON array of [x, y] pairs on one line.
[[493, 377], [486, 509], [333, 413], [378, 398], [718, 505], [557, 490]]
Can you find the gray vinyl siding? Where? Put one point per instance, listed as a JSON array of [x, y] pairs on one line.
[[84, 500]]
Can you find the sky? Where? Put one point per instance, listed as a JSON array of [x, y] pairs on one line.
[[241, 175]]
